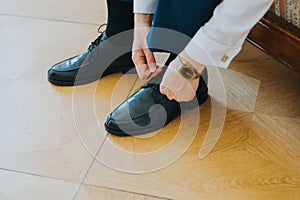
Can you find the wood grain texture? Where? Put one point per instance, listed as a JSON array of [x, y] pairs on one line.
[[48, 147]]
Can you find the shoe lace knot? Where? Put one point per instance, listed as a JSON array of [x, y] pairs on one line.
[[99, 39]]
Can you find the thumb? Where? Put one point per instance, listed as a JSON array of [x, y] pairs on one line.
[[150, 60]]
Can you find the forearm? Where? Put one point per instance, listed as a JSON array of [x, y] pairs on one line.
[[143, 12], [142, 20], [142, 57]]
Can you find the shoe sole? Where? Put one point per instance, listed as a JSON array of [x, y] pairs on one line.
[[201, 100], [117, 69]]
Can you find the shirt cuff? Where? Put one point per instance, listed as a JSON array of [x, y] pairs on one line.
[[206, 51], [144, 6]]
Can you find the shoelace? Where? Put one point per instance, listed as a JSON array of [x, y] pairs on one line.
[[97, 41], [152, 85]]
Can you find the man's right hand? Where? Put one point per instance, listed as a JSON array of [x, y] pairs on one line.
[[142, 57]]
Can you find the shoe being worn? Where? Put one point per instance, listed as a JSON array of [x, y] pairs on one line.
[[65, 73], [148, 110]]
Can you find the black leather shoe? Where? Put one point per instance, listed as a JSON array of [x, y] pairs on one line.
[[65, 73], [148, 110]]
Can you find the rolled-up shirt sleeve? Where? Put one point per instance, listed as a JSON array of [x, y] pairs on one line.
[[144, 6], [222, 37]]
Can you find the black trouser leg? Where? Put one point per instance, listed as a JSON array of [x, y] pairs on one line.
[[120, 16]]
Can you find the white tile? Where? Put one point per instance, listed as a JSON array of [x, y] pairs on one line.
[[26, 187], [69, 10], [36, 119]]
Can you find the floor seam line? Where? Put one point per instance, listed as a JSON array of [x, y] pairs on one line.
[[89, 168], [132, 87], [47, 19], [99, 150], [130, 192], [33, 174]]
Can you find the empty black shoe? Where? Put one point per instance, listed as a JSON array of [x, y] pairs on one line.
[[148, 110], [66, 73]]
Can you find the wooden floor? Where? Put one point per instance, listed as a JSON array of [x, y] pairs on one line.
[[53, 145]]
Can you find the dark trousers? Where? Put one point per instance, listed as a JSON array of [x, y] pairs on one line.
[[179, 15]]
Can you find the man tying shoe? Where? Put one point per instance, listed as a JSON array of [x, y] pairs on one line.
[[217, 31]]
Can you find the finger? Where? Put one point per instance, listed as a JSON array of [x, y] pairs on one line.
[[170, 96], [143, 71], [139, 60], [138, 57], [177, 99], [167, 92], [163, 90], [158, 70], [150, 60]]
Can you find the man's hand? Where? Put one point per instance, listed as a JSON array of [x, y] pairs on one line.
[[175, 86], [142, 57]]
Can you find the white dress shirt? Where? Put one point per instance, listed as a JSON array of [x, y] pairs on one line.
[[221, 38]]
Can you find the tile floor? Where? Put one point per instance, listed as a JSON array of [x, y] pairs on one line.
[[53, 145]]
